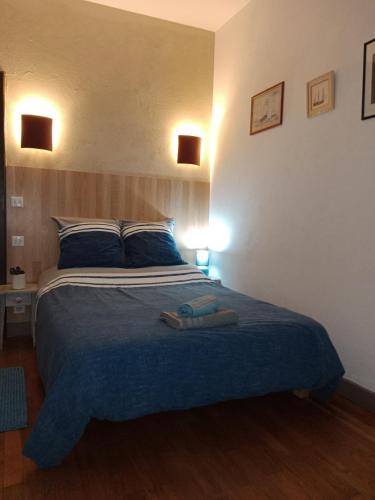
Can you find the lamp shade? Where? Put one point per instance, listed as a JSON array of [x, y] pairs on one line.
[[202, 257], [189, 149], [36, 132]]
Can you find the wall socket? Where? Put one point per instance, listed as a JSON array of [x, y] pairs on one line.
[[16, 201], [18, 241]]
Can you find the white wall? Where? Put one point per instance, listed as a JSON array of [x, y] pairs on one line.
[[299, 200]]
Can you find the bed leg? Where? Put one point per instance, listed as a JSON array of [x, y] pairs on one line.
[[302, 393]]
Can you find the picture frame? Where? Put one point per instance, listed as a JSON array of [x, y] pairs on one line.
[[321, 94], [368, 85], [267, 109]]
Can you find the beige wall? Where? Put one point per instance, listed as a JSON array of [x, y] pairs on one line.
[[299, 199], [120, 82]]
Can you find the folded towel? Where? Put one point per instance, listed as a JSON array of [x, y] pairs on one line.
[[206, 304], [220, 318]]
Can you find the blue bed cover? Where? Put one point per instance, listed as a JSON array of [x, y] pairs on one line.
[[104, 353]]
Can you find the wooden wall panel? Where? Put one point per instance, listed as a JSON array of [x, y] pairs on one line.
[[86, 194]]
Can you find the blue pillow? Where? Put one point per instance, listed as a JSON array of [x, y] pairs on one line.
[[149, 244], [91, 244]]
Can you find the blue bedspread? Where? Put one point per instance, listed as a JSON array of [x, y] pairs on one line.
[[104, 353]]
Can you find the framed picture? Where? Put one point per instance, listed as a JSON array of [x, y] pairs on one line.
[[267, 109], [321, 94], [368, 90]]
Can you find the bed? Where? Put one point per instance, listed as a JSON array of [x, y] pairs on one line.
[[104, 353]]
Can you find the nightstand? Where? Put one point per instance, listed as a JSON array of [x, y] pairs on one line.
[[12, 298]]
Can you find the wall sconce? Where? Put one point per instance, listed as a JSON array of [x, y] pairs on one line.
[[36, 132], [189, 149]]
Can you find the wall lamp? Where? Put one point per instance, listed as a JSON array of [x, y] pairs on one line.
[[36, 132], [189, 149]]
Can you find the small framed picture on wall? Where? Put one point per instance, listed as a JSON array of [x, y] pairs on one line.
[[267, 109], [368, 91], [321, 94]]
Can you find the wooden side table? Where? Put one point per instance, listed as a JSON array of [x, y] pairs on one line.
[[11, 298]]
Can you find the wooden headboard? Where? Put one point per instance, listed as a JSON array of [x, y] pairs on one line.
[[98, 195]]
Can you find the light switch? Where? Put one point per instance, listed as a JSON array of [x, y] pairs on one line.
[[16, 201], [18, 241]]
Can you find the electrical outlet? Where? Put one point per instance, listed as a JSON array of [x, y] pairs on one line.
[[16, 201], [19, 309], [18, 241]]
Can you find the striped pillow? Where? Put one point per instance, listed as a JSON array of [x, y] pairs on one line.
[[90, 244], [149, 244]]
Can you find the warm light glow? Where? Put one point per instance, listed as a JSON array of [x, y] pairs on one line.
[[33, 105], [218, 235], [195, 238], [218, 112], [186, 129]]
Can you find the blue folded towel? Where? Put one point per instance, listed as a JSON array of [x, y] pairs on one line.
[[201, 306], [220, 318]]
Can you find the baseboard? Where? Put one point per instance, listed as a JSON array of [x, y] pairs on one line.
[[357, 394]]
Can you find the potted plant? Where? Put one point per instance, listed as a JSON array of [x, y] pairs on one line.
[[18, 278]]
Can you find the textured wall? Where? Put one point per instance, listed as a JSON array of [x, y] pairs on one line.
[[120, 83], [299, 199]]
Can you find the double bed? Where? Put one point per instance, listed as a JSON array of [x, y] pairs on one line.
[[104, 353]]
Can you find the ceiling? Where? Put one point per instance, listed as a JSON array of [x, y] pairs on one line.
[[206, 14]]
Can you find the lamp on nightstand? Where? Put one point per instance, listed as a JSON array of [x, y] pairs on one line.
[[202, 260]]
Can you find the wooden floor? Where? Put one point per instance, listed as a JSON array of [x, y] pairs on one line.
[[274, 447]]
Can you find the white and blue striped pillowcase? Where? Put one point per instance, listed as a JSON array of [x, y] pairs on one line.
[[129, 229], [74, 229]]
